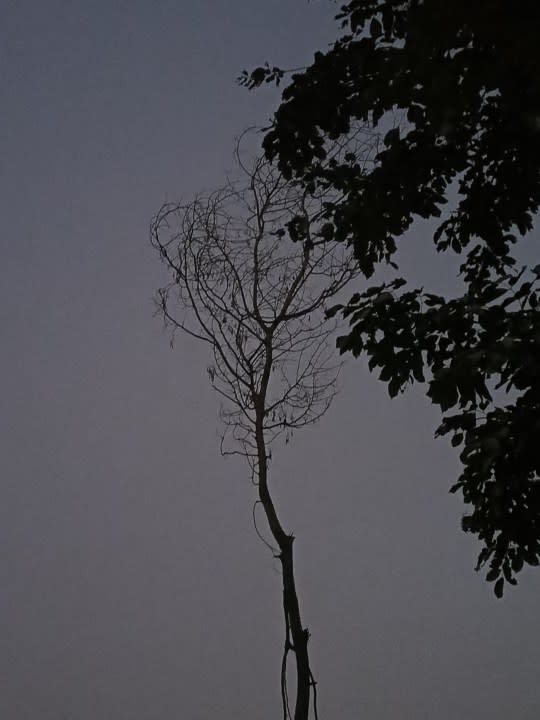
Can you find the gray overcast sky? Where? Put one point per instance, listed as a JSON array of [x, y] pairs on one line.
[[132, 585]]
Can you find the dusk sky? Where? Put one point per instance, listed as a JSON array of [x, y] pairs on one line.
[[132, 583]]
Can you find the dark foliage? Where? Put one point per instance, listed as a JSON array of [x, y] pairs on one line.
[[453, 88]]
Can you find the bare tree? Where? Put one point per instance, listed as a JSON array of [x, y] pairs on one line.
[[259, 302]]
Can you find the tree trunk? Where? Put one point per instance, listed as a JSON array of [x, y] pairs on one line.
[[299, 635], [296, 638]]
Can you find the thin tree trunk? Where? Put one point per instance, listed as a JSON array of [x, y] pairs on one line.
[[296, 635], [299, 635]]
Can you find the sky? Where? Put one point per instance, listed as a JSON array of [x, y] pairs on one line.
[[133, 585]]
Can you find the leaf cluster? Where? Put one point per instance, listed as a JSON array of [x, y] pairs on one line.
[[451, 93], [481, 352], [462, 80]]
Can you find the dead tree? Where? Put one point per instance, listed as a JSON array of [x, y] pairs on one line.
[[258, 300]]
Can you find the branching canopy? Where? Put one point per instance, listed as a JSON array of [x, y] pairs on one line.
[[257, 301]]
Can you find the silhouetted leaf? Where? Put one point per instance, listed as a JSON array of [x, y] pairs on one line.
[[375, 28]]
